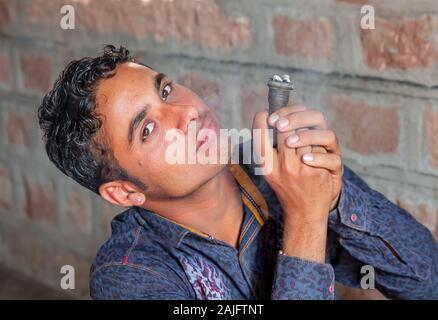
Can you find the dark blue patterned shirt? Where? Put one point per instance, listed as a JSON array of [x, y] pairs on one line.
[[151, 257]]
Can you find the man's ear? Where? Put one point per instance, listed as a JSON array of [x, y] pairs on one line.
[[122, 193]]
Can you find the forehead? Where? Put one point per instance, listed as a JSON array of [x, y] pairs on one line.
[[119, 98], [130, 80]]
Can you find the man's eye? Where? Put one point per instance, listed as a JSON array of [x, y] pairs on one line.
[[147, 130], [166, 91]]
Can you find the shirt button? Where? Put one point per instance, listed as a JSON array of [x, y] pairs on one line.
[[331, 289], [353, 217]]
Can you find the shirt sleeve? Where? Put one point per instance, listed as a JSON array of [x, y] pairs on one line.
[[135, 282], [367, 229], [299, 279]]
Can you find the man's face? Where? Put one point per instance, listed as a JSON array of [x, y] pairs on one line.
[[138, 107]]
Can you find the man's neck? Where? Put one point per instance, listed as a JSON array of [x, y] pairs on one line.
[[215, 208]]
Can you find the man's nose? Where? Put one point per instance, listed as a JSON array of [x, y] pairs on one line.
[[185, 114]]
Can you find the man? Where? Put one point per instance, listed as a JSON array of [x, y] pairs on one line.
[[218, 231]]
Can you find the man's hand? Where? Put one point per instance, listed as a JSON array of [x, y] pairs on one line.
[[307, 182], [326, 152]]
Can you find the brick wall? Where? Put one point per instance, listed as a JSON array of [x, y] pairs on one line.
[[378, 88]]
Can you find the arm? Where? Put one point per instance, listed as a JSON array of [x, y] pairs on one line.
[[129, 282], [305, 194], [301, 272], [403, 252], [366, 228]]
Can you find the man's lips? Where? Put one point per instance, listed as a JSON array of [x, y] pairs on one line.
[[207, 124]]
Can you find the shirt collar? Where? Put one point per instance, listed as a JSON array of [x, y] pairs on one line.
[[175, 232]]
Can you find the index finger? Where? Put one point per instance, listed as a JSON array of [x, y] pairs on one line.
[[280, 113]]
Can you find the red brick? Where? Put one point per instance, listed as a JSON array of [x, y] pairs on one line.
[[310, 39], [79, 212], [6, 189], [208, 90], [40, 199], [36, 69], [399, 44], [364, 128], [252, 100], [361, 2], [20, 127], [421, 211], [5, 68], [431, 124], [192, 22], [6, 13]]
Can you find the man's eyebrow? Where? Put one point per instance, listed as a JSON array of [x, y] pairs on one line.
[[135, 122], [158, 79]]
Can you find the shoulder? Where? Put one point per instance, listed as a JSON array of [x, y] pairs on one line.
[[132, 259], [131, 240], [132, 243]]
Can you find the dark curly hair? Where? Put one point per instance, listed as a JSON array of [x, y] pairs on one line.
[[68, 119]]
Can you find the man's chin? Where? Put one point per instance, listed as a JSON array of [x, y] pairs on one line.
[[209, 172]]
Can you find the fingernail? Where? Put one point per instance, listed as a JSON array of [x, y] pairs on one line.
[[273, 118], [292, 139], [282, 123], [308, 157]]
